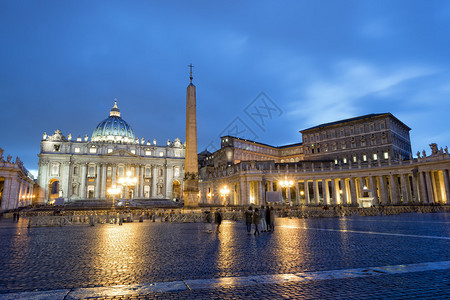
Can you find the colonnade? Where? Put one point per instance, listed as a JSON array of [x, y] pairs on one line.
[[396, 185]]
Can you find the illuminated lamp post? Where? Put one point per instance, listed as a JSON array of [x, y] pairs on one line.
[[224, 192], [287, 184], [113, 191], [128, 182]]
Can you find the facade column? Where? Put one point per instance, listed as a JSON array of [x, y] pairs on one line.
[[141, 181], [429, 185], [288, 195], [154, 180], [114, 175], [97, 182], [136, 188], [103, 186], [83, 181], [297, 193], [353, 191], [248, 192], [307, 198], [373, 187], [447, 186]]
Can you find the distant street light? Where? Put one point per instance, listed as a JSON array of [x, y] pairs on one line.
[[224, 192], [113, 191], [287, 184], [127, 181]]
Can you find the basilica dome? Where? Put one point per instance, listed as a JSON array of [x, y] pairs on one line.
[[113, 129]]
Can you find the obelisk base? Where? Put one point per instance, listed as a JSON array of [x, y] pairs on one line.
[[190, 193]]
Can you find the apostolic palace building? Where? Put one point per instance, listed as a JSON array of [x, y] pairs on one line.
[[362, 161]]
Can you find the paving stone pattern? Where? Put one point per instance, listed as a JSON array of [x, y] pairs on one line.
[[52, 258]]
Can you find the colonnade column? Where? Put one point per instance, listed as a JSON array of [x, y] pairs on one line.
[[423, 188], [83, 181], [393, 184], [447, 185], [333, 191], [307, 198], [405, 194], [326, 197], [429, 185], [373, 187], [415, 191], [97, 182], [297, 193], [316, 192], [344, 191], [353, 191], [261, 193], [103, 189]]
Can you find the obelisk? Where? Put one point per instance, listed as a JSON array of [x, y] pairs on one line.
[[190, 192]]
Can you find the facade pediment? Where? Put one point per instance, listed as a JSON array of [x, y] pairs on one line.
[[121, 152]]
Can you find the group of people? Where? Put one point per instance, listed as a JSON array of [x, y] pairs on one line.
[[261, 218]]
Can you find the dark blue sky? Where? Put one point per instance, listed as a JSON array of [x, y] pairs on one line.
[[63, 62]]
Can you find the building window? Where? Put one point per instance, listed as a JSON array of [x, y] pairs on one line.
[[75, 170], [147, 171], [344, 160], [110, 150], [364, 157], [146, 191], [386, 155], [341, 133], [333, 147], [91, 171], [335, 161], [343, 145], [363, 142], [382, 125], [77, 149], [375, 156], [92, 150], [355, 159], [55, 169], [121, 171], [148, 152], [90, 192], [109, 172], [161, 153], [133, 151]]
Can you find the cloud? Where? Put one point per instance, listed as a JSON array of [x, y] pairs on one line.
[[340, 94]]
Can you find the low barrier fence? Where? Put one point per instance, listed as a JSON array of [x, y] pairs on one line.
[[63, 218]]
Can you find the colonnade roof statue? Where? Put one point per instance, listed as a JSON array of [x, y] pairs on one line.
[[113, 129]]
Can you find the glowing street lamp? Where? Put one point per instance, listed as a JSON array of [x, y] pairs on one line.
[[113, 191], [287, 184], [127, 181], [224, 192]]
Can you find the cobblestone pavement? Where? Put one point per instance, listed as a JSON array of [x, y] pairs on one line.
[[63, 260]]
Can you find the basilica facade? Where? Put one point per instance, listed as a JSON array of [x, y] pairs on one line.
[[84, 169]]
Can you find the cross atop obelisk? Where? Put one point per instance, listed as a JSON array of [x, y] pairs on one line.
[[190, 191], [190, 71]]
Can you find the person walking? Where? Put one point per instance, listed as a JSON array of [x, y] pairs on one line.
[[256, 220], [248, 219], [272, 219], [267, 217], [262, 217], [218, 219]]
